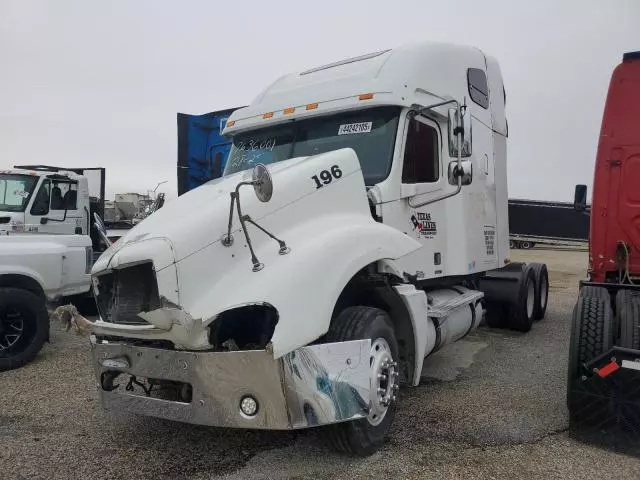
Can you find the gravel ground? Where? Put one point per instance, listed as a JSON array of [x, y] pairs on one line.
[[490, 406]]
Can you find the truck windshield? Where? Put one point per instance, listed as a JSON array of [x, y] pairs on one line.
[[371, 133], [15, 191]]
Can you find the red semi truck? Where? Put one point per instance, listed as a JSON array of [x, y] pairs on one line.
[[603, 388]]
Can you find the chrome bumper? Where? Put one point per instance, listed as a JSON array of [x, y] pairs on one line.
[[313, 385]]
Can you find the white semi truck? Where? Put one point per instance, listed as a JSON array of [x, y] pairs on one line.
[[360, 225]]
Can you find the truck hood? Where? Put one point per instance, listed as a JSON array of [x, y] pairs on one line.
[[200, 217], [328, 229]]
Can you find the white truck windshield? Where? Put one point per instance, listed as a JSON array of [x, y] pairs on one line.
[[371, 133], [15, 191]]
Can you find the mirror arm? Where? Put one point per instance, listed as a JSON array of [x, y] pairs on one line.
[[458, 131]]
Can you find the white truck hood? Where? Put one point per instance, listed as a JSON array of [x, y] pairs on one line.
[[329, 229], [200, 217]]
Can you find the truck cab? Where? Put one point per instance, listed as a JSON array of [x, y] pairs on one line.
[[359, 226], [604, 355], [51, 200]]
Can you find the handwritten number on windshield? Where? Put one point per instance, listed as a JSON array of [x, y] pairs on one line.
[[250, 150]]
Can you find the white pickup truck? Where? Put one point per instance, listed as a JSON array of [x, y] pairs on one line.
[[37, 270]]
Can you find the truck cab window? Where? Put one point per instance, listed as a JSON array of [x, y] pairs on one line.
[[421, 159], [64, 195], [370, 133], [41, 201], [15, 191], [478, 89]]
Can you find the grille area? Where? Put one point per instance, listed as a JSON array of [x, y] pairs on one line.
[[124, 293]]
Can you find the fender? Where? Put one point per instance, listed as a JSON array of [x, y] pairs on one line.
[[22, 271], [314, 278]]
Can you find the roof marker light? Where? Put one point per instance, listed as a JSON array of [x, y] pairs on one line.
[[289, 110], [366, 96], [231, 123], [312, 106], [267, 115]]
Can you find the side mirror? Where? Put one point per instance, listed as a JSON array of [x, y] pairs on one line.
[[262, 182], [465, 170], [44, 220], [580, 198], [455, 125]]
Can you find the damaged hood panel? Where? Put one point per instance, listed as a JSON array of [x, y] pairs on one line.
[[327, 226]]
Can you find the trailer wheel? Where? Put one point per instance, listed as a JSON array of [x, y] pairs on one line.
[[628, 318], [24, 327], [521, 311], [526, 245], [512, 244], [591, 333], [542, 294], [366, 435]]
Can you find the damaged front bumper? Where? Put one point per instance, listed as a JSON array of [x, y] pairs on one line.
[[313, 385]]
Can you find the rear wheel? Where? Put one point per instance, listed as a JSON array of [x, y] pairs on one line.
[[496, 314], [522, 310], [526, 245], [24, 327], [366, 435], [542, 284], [628, 316], [591, 333], [596, 292]]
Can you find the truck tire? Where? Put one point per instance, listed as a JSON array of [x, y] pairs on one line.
[[628, 318], [496, 314], [597, 292], [24, 327], [526, 245], [364, 436], [591, 333], [542, 294], [520, 312]]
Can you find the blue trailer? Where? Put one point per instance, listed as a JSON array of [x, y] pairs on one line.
[[202, 150]]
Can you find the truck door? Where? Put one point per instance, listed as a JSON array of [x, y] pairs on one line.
[[423, 179], [55, 207], [624, 194]]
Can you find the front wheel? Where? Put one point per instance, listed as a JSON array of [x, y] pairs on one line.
[[366, 435], [24, 327]]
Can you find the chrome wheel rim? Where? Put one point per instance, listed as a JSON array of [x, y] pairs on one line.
[[544, 294], [531, 296], [383, 380]]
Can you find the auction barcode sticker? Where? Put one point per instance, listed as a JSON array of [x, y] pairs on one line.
[[349, 128]]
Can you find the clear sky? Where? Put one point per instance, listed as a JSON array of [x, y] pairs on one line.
[[99, 83]]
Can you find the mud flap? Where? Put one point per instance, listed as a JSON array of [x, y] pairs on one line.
[[604, 401]]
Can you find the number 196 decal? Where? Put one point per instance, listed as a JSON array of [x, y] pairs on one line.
[[327, 176]]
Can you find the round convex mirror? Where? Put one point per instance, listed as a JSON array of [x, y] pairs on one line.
[[263, 185]]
